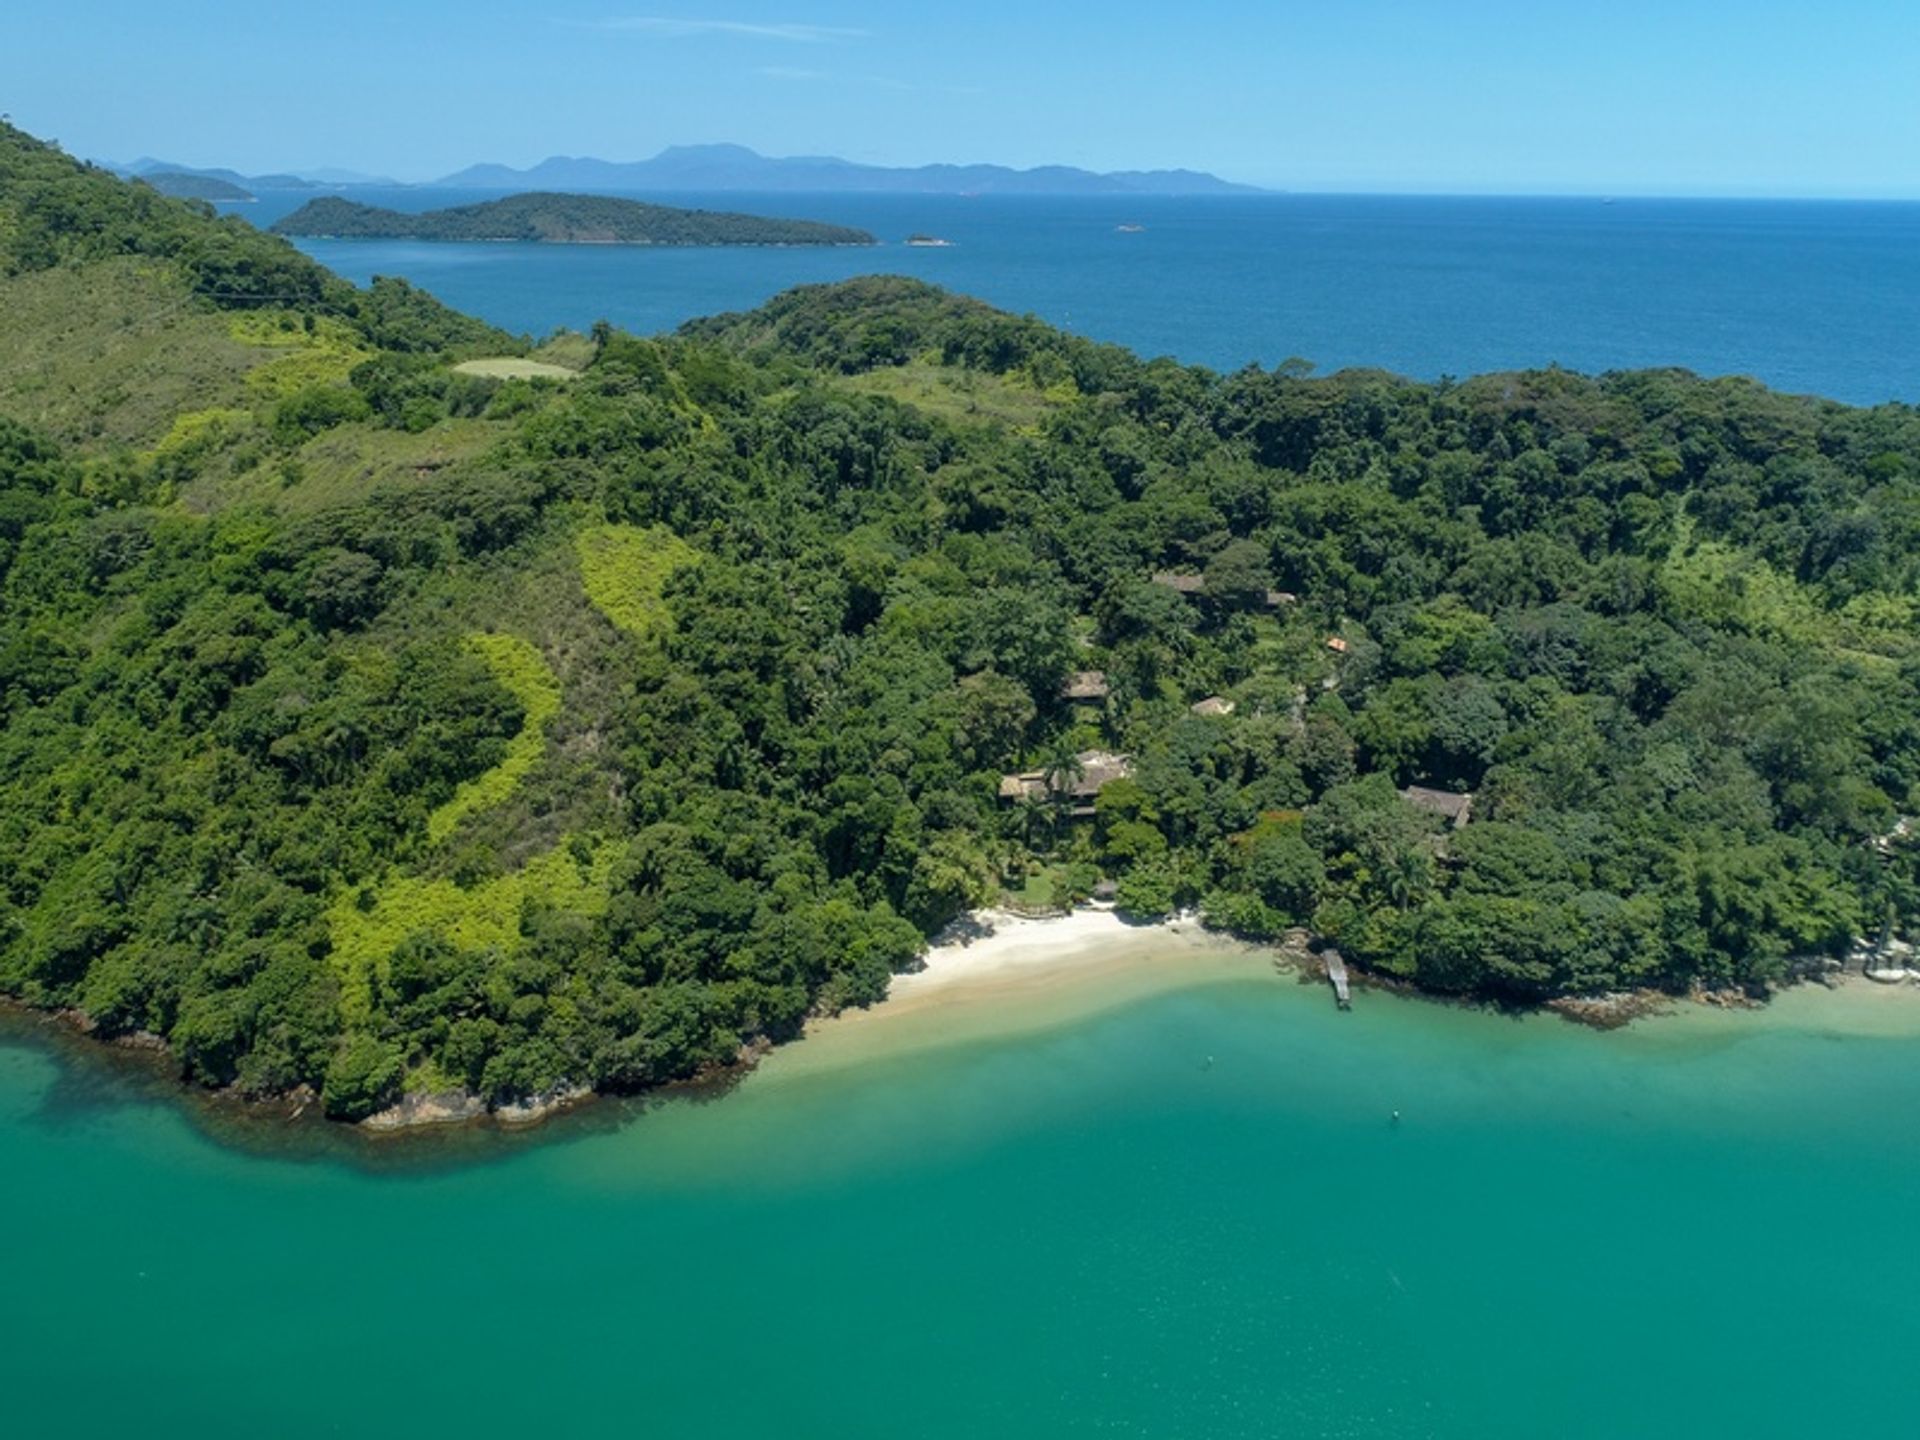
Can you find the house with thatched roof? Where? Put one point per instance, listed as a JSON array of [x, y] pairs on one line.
[[1456, 810], [1086, 685], [1097, 769]]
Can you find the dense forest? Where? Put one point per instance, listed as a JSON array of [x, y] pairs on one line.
[[562, 220], [376, 727]]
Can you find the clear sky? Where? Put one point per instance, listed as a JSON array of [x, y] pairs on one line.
[[1691, 97]]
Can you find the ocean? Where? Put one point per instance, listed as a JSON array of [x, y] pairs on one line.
[[1812, 297], [1190, 1214]]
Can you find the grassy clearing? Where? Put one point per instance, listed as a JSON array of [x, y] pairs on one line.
[[111, 354], [509, 367], [962, 396], [322, 355], [521, 671], [367, 926], [569, 348], [625, 568], [345, 466], [199, 432]]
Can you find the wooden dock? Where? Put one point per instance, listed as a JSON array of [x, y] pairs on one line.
[[1337, 976]]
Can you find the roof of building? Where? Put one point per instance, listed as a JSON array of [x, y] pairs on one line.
[[1336, 644], [1212, 705], [1277, 598], [1086, 685], [1098, 769], [1454, 808]]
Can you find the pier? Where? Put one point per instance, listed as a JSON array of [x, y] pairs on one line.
[[1337, 977]]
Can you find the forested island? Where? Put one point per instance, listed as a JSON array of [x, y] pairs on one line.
[[560, 220], [373, 728]]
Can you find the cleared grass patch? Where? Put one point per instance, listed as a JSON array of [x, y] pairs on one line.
[[967, 397], [323, 355], [512, 367], [346, 465], [570, 348], [625, 568], [110, 354], [524, 674]]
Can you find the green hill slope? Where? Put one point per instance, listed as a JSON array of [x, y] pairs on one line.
[[561, 220], [369, 727]]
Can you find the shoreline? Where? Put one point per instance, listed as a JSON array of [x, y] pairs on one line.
[[991, 974]]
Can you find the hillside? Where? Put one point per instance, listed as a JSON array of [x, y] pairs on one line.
[[373, 728], [737, 168], [561, 220]]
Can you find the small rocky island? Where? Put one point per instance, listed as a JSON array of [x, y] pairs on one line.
[[560, 220]]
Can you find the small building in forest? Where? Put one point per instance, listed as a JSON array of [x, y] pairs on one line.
[[1181, 582], [1277, 598], [1086, 685], [1337, 645], [1455, 809], [1096, 769], [1213, 705]]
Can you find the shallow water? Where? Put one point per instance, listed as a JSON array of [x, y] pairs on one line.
[[1822, 297], [1189, 1215]]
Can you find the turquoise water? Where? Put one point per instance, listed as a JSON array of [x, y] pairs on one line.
[[1190, 1216], [1821, 297]]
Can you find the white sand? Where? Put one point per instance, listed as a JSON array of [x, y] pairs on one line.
[[996, 945], [996, 974]]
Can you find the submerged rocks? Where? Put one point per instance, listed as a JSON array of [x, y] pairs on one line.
[[1609, 1011]]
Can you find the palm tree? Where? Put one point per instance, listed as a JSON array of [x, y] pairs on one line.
[[1063, 771]]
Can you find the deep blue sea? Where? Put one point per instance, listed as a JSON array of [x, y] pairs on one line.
[[1816, 296]]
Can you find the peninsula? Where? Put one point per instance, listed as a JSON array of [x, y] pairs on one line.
[[378, 724], [554, 219]]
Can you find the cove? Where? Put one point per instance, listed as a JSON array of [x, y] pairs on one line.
[[1187, 1212]]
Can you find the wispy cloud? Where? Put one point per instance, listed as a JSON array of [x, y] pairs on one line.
[[878, 82], [673, 28]]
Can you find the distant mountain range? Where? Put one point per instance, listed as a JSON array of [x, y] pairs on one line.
[[693, 168], [147, 168], [734, 167]]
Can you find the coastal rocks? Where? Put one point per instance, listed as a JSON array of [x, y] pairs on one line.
[[536, 1108], [461, 1107], [1728, 999], [85, 1024], [447, 1107], [1609, 1011], [1295, 950]]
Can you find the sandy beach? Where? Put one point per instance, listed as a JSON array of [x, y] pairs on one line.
[[995, 973]]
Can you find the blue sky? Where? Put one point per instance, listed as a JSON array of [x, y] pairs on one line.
[[1759, 97]]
